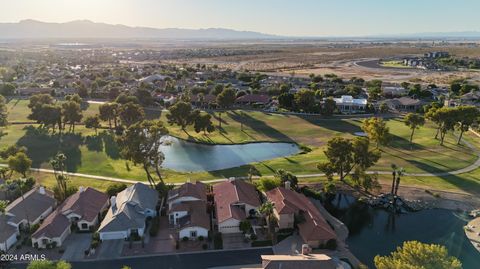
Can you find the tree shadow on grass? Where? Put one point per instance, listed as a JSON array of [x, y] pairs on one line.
[[259, 126], [42, 146], [94, 143], [340, 125], [464, 184], [111, 147]]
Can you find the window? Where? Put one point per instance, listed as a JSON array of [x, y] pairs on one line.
[[84, 226], [193, 233]]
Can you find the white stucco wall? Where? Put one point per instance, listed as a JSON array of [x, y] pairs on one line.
[[229, 226], [113, 235], [200, 232], [4, 246]]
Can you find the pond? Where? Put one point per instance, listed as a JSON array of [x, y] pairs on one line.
[[376, 231], [186, 156]]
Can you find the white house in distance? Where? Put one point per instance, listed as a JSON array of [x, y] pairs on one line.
[[82, 209], [235, 200], [32, 208], [188, 210], [348, 104], [128, 212]]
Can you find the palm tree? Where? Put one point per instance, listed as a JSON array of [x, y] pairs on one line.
[[400, 173], [252, 171], [394, 176], [266, 209]]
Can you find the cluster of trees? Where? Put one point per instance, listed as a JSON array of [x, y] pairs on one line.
[[349, 159], [308, 101], [414, 254], [453, 118], [461, 86], [46, 111], [183, 115], [17, 160], [140, 143]]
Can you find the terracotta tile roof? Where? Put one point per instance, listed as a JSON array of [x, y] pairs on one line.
[[232, 192], [53, 226], [87, 204], [290, 202], [197, 190], [253, 98], [197, 215], [31, 206]]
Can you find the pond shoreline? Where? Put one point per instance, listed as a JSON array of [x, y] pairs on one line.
[[229, 144], [427, 199]]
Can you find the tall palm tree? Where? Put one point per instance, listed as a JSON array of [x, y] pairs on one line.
[[266, 209], [400, 173], [394, 177]]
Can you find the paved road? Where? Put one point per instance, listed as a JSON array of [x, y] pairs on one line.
[[201, 260]]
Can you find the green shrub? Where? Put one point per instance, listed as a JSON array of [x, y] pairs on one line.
[[185, 239], [201, 238]]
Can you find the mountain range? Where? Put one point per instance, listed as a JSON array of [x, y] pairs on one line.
[[32, 29], [79, 29]]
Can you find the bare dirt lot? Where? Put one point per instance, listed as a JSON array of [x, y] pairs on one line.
[[304, 58]]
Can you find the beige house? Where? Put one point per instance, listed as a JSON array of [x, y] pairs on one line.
[[82, 209], [314, 229], [235, 200]]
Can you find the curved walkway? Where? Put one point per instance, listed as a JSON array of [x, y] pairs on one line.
[[467, 169]]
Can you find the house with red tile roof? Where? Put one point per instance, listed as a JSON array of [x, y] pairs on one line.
[[235, 200], [253, 99], [188, 210], [27, 210], [314, 230], [190, 218], [188, 192], [82, 209]]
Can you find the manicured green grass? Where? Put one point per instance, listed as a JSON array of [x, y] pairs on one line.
[[18, 110], [396, 64], [98, 155]]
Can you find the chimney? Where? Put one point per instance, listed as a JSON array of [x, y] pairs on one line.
[[81, 189], [231, 179], [113, 203], [306, 249], [287, 185], [41, 190]]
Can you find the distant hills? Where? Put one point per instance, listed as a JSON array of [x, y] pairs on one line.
[[32, 29], [85, 29]]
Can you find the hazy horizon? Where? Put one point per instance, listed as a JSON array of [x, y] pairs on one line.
[[303, 18]]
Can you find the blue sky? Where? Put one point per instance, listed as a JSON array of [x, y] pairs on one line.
[[282, 17]]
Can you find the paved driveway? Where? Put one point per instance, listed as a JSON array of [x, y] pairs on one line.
[[75, 246], [234, 241], [110, 249]]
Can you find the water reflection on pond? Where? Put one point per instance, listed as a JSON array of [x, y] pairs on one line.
[[376, 231], [186, 156]]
